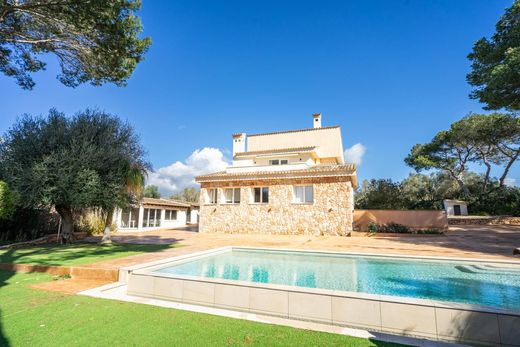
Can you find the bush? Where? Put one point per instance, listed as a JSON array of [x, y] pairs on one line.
[[432, 231], [396, 228], [373, 227], [28, 224], [387, 228], [91, 222]]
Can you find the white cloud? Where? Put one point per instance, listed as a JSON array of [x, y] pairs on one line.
[[355, 154], [178, 175], [510, 182]]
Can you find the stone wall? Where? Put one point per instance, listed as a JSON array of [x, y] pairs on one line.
[[483, 220], [330, 214]]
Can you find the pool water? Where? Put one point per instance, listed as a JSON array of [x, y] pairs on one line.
[[486, 284]]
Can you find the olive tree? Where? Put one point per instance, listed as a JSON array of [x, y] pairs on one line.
[[88, 160]]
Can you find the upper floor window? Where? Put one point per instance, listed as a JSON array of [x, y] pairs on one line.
[[303, 194], [261, 195], [278, 162], [232, 195], [212, 195], [170, 215]]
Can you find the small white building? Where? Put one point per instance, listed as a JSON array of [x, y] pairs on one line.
[[155, 214], [455, 208]]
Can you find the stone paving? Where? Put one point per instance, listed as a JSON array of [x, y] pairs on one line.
[[490, 242]]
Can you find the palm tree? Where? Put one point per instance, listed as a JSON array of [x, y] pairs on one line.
[[132, 188]]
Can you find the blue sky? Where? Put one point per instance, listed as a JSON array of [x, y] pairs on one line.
[[391, 73]]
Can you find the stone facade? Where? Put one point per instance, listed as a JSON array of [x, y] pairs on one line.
[[331, 213]]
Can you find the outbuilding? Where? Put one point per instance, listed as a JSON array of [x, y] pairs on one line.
[[455, 207]]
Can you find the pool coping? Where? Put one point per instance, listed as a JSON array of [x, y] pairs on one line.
[[118, 291], [416, 317], [148, 268]]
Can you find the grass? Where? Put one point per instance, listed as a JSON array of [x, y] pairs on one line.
[[31, 317], [76, 254]]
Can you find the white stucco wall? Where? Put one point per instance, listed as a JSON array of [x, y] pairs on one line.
[[165, 224], [449, 207]]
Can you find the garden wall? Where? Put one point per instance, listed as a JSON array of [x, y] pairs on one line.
[[413, 219], [484, 220]]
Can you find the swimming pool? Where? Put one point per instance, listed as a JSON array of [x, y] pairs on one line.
[[470, 301], [480, 283]]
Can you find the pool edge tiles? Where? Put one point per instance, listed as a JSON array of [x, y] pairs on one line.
[[396, 315]]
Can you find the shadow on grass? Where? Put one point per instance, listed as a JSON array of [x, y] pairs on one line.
[[4, 277], [76, 254], [54, 254]]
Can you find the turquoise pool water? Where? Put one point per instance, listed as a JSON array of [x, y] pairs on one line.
[[486, 284]]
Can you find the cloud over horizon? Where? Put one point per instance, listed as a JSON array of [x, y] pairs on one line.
[[355, 154], [179, 175]]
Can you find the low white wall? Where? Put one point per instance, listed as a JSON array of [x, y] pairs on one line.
[[452, 322]]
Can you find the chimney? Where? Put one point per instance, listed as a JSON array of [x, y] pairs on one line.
[[239, 143], [316, 120]]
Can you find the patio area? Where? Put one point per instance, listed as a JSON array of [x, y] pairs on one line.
[[487, 242]]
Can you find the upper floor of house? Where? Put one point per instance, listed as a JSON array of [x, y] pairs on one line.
[[288, 150]]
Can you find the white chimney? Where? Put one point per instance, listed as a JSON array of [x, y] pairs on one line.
[[316, 120], [239, 143]]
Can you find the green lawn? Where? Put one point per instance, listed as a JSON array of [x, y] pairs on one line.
[[81, 253], [31, 317]]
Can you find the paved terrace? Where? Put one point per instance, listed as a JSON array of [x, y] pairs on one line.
[[490, 242]]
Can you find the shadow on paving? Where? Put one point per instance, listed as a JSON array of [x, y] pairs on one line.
[[485, 239]]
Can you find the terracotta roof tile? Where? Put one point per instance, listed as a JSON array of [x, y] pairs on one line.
[[165, 202], [279, 150], [315, 171], [295, 131]]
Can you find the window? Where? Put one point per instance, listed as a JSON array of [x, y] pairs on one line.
[[232, 195], [170, 215], [261, 195], [129, 218], [152, 218], [303, 194], [278, 162], [212, 194]]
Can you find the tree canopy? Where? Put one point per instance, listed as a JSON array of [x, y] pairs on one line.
[[419, 191], [7, 201], [151, 191], [495, 69], [189, 194], [485, 140], [71, 163], [95, 41]]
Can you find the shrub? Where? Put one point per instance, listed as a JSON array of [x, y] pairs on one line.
[[431, 231], [28, 224], [391, 227], [90, 222], [396, 228], [373, 227]]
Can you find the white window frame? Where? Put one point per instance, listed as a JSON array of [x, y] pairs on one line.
[[170, 212], [233, 196], [276, 162], [304, 194], [261, 195], [212, 200]]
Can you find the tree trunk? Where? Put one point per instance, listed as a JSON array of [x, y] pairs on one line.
[[67, 224], [508, 166], [108, 222], [486, 178], [460, 181]]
